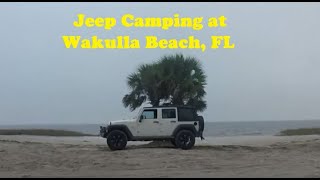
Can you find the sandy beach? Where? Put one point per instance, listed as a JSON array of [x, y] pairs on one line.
[[243, 156]]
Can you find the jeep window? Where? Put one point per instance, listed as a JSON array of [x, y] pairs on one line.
[[149, 114], [186, 114], [168, 113]]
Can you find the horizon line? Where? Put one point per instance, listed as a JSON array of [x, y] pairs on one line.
[[109, 121]]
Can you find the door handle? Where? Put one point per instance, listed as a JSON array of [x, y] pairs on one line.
[[173, 121], [155, 121]]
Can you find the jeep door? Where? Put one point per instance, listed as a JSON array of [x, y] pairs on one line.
[[168, 121], [149, 125]]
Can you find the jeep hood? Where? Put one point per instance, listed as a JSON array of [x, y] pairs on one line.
[[123, 121]]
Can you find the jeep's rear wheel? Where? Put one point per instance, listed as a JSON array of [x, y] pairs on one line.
[[185, 139], [117, 140]]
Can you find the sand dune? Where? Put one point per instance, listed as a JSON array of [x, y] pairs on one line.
[[247, 156]]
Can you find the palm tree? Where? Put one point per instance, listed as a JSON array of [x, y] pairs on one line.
[[173, 79]]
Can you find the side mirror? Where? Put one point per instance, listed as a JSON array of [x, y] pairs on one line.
[[140, 119]]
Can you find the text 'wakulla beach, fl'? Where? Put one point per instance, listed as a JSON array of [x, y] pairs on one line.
[[151, 41]]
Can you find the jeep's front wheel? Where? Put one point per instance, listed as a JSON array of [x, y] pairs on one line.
[[117, 140], [185, 139]]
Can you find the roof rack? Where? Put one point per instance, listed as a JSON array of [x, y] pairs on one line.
[[179, 106]]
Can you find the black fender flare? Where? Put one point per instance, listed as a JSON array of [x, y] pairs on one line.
[[123, 128], [180, 127]]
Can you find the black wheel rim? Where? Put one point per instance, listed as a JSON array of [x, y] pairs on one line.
[[117, 140], [185, 139]]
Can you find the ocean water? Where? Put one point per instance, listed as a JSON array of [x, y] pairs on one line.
[[215, 129]]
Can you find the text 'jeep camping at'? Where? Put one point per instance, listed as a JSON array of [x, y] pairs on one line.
[[180, 125]]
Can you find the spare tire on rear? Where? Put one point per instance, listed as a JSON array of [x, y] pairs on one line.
[[201, 123]]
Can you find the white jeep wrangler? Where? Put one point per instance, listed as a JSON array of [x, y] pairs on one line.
[[179, 124]]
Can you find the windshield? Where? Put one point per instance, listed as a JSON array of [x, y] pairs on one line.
[[137, 115]]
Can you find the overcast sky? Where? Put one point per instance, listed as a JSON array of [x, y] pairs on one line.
[[272, 74]]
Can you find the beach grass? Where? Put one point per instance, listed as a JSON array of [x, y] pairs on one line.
[[300, 131], [41, 132]]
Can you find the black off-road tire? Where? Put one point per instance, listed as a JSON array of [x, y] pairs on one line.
[[185, 139], [117, 140]]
